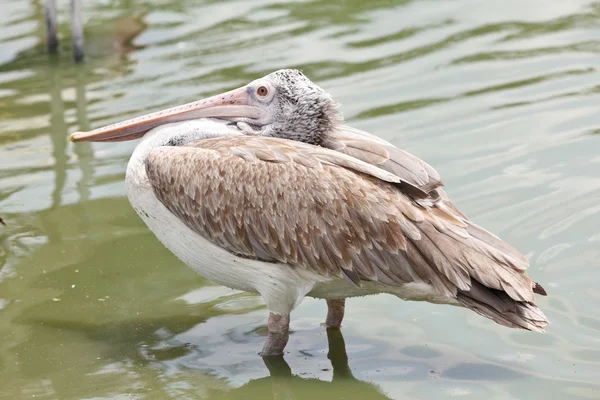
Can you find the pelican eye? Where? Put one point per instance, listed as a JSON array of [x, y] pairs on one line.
[[262, 91]]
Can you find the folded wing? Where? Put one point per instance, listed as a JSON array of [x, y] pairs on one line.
[[342, 216]]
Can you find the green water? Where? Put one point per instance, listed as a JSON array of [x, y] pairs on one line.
[[503, 98]]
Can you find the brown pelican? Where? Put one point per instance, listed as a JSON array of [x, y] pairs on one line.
[[264, 189], [76, 27]]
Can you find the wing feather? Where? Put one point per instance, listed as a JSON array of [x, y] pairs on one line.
[[339, 216], [417, 177]]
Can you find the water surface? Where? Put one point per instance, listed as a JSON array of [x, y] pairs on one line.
[[501, 97]]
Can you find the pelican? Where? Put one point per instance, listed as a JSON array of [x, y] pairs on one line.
[[264, 189]]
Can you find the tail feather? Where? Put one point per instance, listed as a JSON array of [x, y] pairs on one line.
[[502, 309], [539, 289]]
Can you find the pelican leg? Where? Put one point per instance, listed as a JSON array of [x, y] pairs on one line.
[[279, 333], [51, 25], [335, 312], [77, 28]]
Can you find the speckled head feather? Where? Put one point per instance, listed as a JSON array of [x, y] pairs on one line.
[[303, 111]]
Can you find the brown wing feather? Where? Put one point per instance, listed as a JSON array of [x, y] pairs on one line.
[[421, 182], [418, 178], [315, 208]]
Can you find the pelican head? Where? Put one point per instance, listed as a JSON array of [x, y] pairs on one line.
[[283, 104]]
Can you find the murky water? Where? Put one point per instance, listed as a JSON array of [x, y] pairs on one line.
[[503, 98]]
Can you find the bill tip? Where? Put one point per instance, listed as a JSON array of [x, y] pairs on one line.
[[73, 136]]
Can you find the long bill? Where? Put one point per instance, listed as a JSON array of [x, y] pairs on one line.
[[229, 105]]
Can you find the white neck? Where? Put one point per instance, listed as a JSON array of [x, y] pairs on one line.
[[176, 134]]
